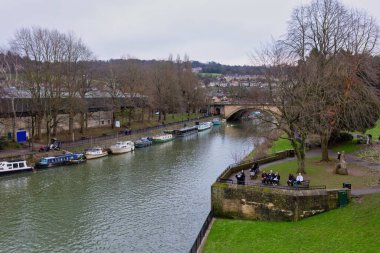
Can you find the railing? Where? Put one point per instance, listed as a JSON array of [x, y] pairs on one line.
[[233, 168], [263, 160], [316, 187], [202, 233]]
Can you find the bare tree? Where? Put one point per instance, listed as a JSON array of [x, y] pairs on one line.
[[321, 33]]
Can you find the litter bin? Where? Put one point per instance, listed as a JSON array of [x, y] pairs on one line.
[[347, 185], [342, 198]]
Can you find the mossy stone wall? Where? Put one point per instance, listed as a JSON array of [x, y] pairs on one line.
[[266, 203]]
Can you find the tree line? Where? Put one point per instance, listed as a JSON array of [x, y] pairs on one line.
[[58, 71], [323, 75]]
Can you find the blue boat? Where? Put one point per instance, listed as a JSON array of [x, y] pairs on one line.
[[216, 121], [53, 161], [143, 142]]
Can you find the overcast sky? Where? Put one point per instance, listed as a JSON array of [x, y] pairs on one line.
[[224, 31]]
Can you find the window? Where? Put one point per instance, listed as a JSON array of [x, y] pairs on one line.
[[15, 165], [102, 122]]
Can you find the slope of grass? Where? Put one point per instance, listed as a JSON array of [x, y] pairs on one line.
[[347, 147], [354, 228], [375, 132], [281, 144]]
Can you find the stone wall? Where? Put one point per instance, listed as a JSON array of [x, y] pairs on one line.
[[270, 203]]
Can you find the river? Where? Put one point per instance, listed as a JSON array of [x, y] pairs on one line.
[[152, 200]]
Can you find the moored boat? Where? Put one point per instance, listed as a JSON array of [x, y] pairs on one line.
[[143, 142], [185, 131], [162, 138], [95, 152], [66, 159], [216, 121], [204, 126], [8, 167], [122, 147]]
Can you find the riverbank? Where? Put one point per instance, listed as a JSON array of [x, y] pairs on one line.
[[105, 140]]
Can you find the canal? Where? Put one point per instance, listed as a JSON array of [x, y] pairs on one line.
[[152, 200]]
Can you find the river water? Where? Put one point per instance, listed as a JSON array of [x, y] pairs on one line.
[[152, 200]]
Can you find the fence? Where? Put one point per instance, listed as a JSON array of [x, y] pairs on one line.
[[316, 187], [202, 233]]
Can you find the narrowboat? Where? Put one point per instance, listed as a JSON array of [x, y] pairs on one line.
[[162, 138], [204, 126], [186, 131], [66, 159], [8, 167]]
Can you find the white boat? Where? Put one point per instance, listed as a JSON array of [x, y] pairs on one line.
[[7, 167], [162, 138], [204, 126], [95, 152], [122, 147]]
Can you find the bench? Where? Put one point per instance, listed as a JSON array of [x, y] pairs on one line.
[[303, 184]]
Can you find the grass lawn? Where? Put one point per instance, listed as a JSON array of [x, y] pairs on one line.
[[280, 144], [347, 147], [354, 228], [322, 173], [375, 132]]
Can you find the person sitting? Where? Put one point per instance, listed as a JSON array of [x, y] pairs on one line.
[[299, 179], [242, 177], [264, 176], [276, 178], [254, 170], [291, 180], [270, 177]]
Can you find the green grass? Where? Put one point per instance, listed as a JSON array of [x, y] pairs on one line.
[[375, 132], [354, 228], [281, 144], [347, 147], [322, 173]]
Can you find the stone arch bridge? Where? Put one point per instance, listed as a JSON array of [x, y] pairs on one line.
[[233, 111]]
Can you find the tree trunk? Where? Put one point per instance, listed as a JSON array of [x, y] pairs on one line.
[[325, 146], [81, 119], [71, 123], [142, 114], [299, 150], [39, 126], [13, 121], [55, 124]]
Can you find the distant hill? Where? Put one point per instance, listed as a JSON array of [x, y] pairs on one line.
[[217, 68]]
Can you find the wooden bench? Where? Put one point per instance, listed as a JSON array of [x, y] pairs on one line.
[[303, 184]]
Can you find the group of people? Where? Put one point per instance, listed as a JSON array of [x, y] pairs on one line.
[[270, 178], [295, 180]]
